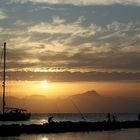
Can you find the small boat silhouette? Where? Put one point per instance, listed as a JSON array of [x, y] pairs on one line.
[[10, 113]]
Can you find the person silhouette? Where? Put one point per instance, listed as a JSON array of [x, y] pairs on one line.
[[139, 116], [108, 117], [114, 118], [50, 119]]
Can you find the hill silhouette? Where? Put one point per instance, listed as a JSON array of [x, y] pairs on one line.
[[88, 102], [90, 93]]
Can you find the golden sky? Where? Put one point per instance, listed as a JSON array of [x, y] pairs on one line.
[[61, 48], [64, 89]]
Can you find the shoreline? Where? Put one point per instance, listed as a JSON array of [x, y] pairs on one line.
[[65, 126]]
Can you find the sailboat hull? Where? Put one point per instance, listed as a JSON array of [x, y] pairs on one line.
[[14, 117]]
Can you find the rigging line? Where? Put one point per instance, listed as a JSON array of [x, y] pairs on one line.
[[83, 117], [57, 110], [1, 60], [59, 113]]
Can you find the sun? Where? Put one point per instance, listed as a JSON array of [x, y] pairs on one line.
[[43, 84]]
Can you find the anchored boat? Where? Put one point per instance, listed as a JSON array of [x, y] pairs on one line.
[[10, 113]]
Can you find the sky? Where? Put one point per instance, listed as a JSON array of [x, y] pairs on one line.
[[64, 47]]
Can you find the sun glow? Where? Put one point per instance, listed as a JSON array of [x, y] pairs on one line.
[[44, 138], [43, 84]]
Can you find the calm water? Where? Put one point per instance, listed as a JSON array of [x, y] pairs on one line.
[[43, 118], [124, 134], [127, 134]]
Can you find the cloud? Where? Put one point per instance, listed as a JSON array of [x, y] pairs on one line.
[[20, 22], [9, 33], [74, 33], [60, 45], [89, 57], [43, 8], [60, 26], [131, 49], [2, 15], [56, 52], [83, 2], [39, 56], [117, 29], [18, 1], [65, 41], [66, 76]]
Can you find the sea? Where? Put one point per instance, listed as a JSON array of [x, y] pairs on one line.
[[122, 134]]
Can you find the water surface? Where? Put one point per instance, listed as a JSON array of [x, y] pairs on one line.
[[123, 134]]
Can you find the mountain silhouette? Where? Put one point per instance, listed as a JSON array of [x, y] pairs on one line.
[[88, 102], [91, 93]]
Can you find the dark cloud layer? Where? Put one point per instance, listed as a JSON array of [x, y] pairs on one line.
[[74, 76], [83, 59]]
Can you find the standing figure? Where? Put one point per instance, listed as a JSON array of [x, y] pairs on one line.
[[139, 117], [114, 118], [108, 117]]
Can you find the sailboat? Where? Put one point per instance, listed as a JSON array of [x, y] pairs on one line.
[[10, 113]]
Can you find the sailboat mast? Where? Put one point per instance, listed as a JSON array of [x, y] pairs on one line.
[[4, 77]]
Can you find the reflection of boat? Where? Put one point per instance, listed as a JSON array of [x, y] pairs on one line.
[[9, 113]]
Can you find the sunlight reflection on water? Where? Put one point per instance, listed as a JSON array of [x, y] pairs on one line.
[[44, 138], [123, 134]]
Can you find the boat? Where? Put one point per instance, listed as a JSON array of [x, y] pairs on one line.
[[10, 113]]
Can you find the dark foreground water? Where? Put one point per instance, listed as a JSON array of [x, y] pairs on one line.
[[127, 134], [123, 134]]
